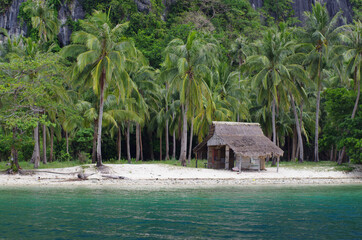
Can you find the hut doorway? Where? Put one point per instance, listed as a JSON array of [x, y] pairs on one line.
[[221, 157]]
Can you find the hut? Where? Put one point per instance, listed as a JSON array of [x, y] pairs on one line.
[[236, 146]]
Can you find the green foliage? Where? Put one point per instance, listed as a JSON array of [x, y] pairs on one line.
[[277, 11], [4, 5], [83, 140], [25, 18], [63, 156], [196, 61], [340, 130], [356, 7]]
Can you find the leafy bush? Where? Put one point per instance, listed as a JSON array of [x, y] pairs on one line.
[[64, 157]]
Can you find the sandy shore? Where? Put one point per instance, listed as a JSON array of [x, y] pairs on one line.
[[166, 176]]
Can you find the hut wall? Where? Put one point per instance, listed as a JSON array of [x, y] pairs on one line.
[[237, 161], [210, 157], [216, 157], [247, 163], [231, 159]]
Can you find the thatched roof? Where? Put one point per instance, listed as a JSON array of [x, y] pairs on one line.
[[246, 139]]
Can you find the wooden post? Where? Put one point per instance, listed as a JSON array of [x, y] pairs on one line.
[[278, 164], [213, 157], [227, 157]]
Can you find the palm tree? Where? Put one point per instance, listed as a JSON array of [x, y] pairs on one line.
[[188, 64], [319, 34], [270, 68], [100, 54], [352, 48], [43, 19]]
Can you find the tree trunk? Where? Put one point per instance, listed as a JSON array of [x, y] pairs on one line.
[[295, 141], [44, 145], [128, 143], [137, 142], [300, 140], [167, 157], [100, 118], [94, 150], [331, 155], [340, 159], [174, 144], [184, 136], [289, 148], [161, 146], [274, 129], [316, 155], [190, 144], [67, 141], [273, 122], [151, 145], [358, 81], [36, 153], [14, 152], [51, 143], [119, 142], [141, 145]]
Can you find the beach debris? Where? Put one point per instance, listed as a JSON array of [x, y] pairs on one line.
[[83, 176], [113, 176]]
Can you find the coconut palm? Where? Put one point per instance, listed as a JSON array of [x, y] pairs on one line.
[[188, 64], [44, 19], [319, 34], [270, 69], [100, 54], [352, 53]]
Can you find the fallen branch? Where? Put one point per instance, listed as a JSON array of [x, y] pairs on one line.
[[113, 176]]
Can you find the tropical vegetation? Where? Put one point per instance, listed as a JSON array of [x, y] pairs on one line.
[[132, 85]]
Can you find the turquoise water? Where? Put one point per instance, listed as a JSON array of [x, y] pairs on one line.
[[311, 212]]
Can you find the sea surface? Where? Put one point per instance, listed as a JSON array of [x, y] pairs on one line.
[[255, 212]]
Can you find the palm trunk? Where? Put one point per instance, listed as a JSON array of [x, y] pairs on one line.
[[137, 142], [174, 144], [273, 123], [190, 144], [119, 141], [316, 155], [173, 139], [274, 129], [184, 136], [358, 81], [161, 146], [100, 118], [300, 140], [44, 144], [128, 144], [67, 141], [331, 154], [141, 145], [295, 141], [94, 150], [167, 157], [36, 153], [354, 110], [51, 143], [151, 145]]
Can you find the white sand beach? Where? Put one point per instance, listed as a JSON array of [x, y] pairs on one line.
[[164, 176]]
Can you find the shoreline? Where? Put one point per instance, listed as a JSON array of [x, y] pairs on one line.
[[159, 176]]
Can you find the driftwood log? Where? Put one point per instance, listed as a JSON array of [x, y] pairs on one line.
[[84, 176], [113, 176]]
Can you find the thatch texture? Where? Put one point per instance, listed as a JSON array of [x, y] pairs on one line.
[[246, 139]]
